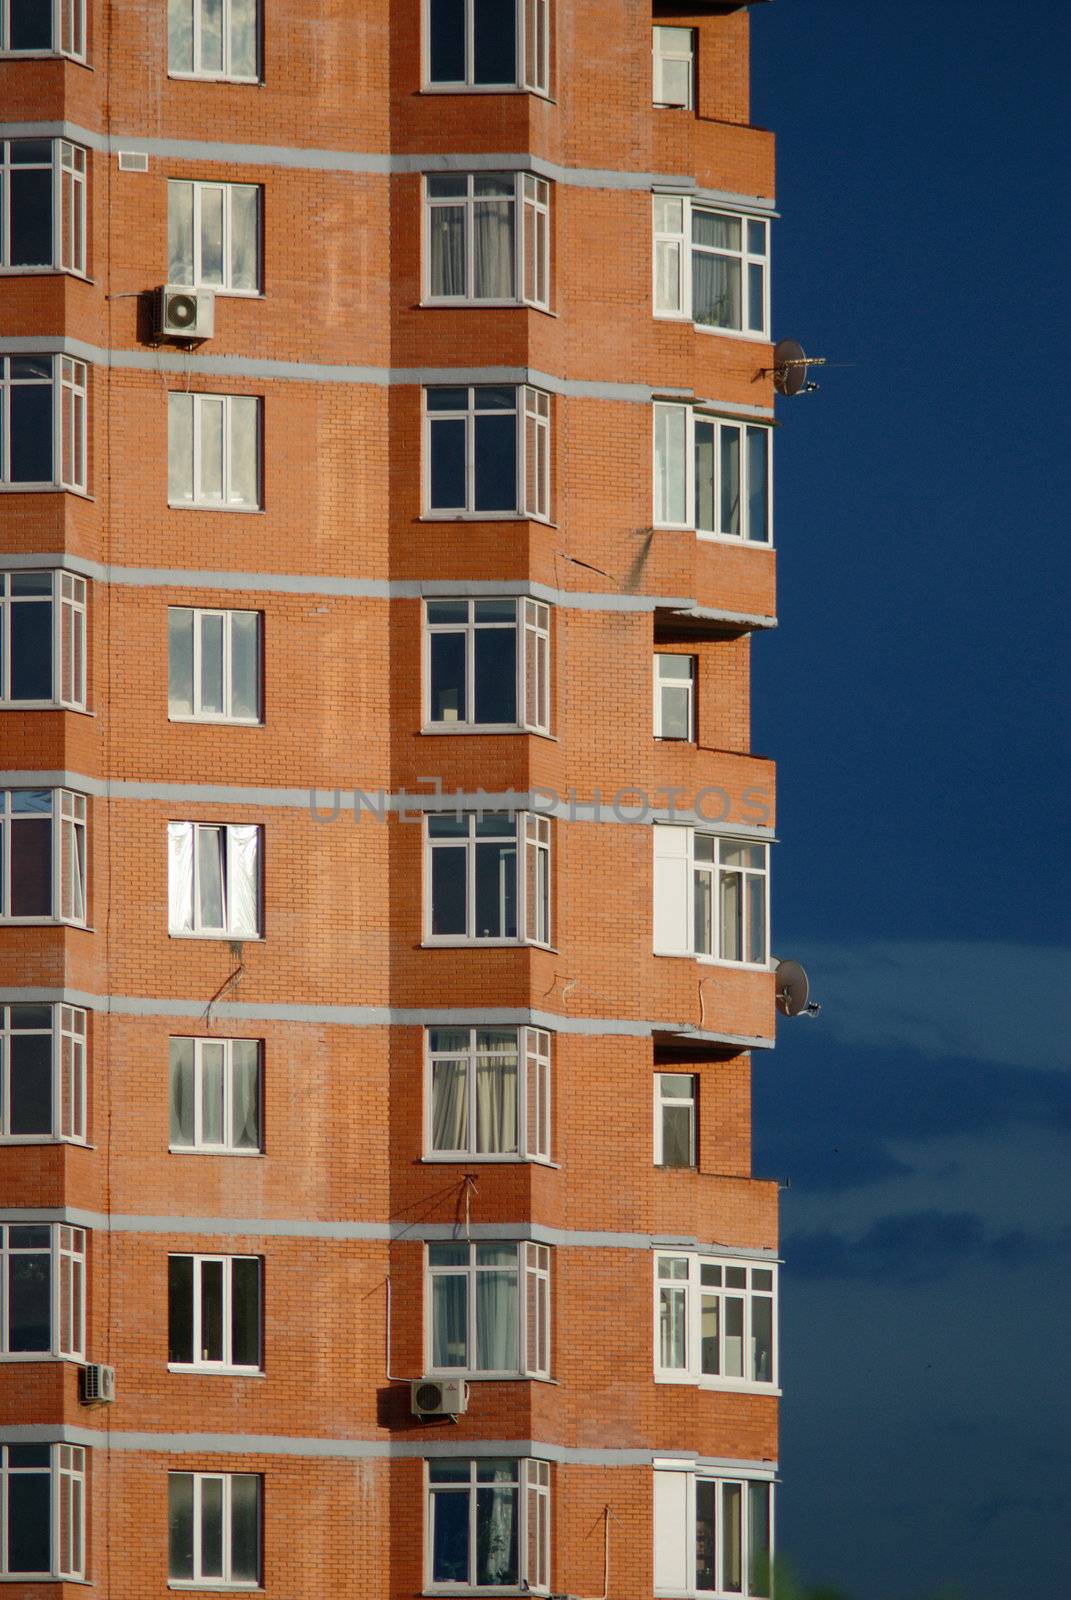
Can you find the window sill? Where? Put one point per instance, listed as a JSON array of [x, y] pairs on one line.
[[488, 1377], [24, 1357], [452, 1158], [193, 505], [449, 730], [45, 272], [38, 1139], [719, 1386], [484, 305], [45, 55], [216, 722], [459, 942], [485, 516], [751, 336], [215, 77], [45, 488], [713, 538], [215, 290], [487, 88], [711, 961], [232, 938], [215, 1588], [191, 1150], [45, 705], [45, 922], [215, 1372]]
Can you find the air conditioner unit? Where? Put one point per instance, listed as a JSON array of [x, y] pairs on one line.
[[184, 313], [98, 1385], [435, 1397]]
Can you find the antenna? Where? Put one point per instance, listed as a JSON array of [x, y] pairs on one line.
[[792, 989], [789, 370]]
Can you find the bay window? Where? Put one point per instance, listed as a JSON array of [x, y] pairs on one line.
[[713, 1535], [43, 27], [214, 880], [215, 1096], [710, 896], [473, 890], [42, 856], [42, 422], [715, 1321], [213, 665], [42, 205], [712, 474], [213, 236], [42, 1291], [488, 1525], [43, 639], [488, 664], [214, 1529], [487, 451], [213, 451], [488, 1094], [213, 39], [489, 1309], [487, 238], [711, 267], [487, 44], [214, 1312], [42, 1511], [42, 1073]]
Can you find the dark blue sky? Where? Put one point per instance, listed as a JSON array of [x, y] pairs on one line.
[[914, 699]]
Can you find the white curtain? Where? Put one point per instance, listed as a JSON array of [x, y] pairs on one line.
[[496, 1315], [449, 1322], [496, 1530], [493, 249], [243, 875], [670, 445], [447, 230], [449, 1105], [180, 233], [496, 1103], [715, 290], [180, 877], [245, 229], [182, 1092], [245, 1081]]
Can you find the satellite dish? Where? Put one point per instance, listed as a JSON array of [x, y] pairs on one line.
[[792, 989], [790, 367]]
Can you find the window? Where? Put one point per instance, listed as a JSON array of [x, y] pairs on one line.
[[488, 664], [214, 1529], [42, 422], [473, 892], [711, 267], [488, 1524], [674, 696], [715, 1321], [215, 1095], [213, 880], [42, 204], [674, 67], [712, 1536], [488, 237], [42, 1510], [213, 39], [481, 44], [712, 474], [214, 665], [213, 451], [710, 896], [43, 639], [43, 27], [482, 1318], [675, 1119], [42, 855], [213, 236], [478, 461], [213, 1305], [42, 1290], [488, 1093], [42, 1072]]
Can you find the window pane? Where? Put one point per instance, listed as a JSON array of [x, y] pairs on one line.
[[677, 82], [180, 1308], [30, 26], [211, 35], [496, 1102], [30, 216], [729, 467], [180, 1524], [447, 464], [244, 38], [494, 25], [30, 1069], [496, 462], [715, 290], [245, 1312], [448, 896], [734, 1336], [211, 1528], [756, 296], [450, 1535], [496, 891], [676, 1136], [210, 877], [245, 241], [210, 422], [31, 651], [672, 1328], [758, 520], [710, 1355], [446, 41], [180, 233], [31, 866], [492, 230], [211, 686], [496, 1533], [180, 662], [180, 35], [181, 1092], [761, 1339], [731, 916], [212, 1093], [448, 700], [756, 918], [758, 1535], [704, 476], [246, 1095], [180, 454], [245, 1528], [29, 1301], [29, 1538], [31, 433], [242, 442], [211, 240], [449, 1105], [496, 675], [705, 1523], [731, 1496], [496, 1320], [211, 1276], [245, 664], [671, 425], [676, 713], [449, 1320]]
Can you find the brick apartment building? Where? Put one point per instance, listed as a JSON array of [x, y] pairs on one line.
[[442, 474]]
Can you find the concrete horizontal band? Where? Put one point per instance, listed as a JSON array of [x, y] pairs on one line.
[[279, 1444], [379, 1016], [380, 588], [377, 1232], [184, 364], [382, 164]]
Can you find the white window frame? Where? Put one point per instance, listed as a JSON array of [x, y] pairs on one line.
[[532, 1482], [67, 1502], [67, 1291], [67, 1032], [674, 1528], [67, 599], [227, 286], [532, 1275], [229, 501], [228, 1147], [69, 385], [532, 837], [227, 75], [532, 35], [198, 714], [68, 28], [531, 629], [661, 53], [200, 1579], [532, 415], [674, 847], [666, 413], [662, 683], [68, 818], [68, 165], [530, 201], [671, 244], [533, 1062], [661, 1101], [690, 1293], [231, 929], [226, 1364]]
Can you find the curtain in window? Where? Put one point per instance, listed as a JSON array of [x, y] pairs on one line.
[[449, 1321], [447, 230], [182, 1092], [180, 877], [244, 879], [715, 290], [496, 1103], [449, 1105], [496, 1310], [180, 233], [246, 1096], [496, 1530], [493, 247], [245, 229]]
